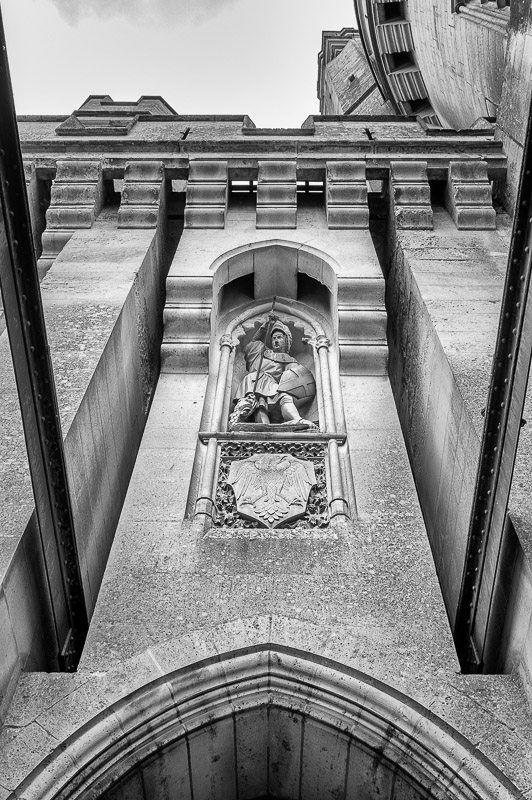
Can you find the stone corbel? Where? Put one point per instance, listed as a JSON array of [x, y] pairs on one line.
[[468, 196], [206, 205], [141, 194], [203, 511], [76, 201], [347, 195], [277, 195], [338, 505], [410, 195]]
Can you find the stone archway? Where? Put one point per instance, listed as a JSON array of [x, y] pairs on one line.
[[266, 721]]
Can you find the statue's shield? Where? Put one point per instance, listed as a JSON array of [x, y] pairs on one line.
[[272, 488], [298, 381]]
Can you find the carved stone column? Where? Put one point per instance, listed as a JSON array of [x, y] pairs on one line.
[[227, 346], [204, 503], [338, 503]]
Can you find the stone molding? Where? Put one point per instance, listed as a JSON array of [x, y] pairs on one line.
[[141, 194], [410, 195], [277, 194], [490, 16], [76, 201], [395, 37], [361, 312], [206, 205], [176, 704], [469, 196], [346, 195]]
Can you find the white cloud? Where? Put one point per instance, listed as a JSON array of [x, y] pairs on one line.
[[150, 12]]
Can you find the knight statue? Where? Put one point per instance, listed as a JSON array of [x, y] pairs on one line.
[[275, 383]]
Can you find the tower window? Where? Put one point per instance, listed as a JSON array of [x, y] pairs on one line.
[[390, 12]]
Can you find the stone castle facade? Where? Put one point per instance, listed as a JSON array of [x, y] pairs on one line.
[[252, 635]]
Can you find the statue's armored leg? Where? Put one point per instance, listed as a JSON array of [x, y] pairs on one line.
[[291, 414]]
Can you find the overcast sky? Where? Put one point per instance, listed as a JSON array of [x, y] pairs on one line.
[[251, 57]]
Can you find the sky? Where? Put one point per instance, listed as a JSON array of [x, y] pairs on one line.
[[256, 57]]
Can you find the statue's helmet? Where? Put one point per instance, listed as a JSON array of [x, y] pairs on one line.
[[284, 329]]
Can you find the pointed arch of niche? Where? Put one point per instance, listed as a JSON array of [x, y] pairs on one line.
[[304, 280], [266, 721], [293, 270]]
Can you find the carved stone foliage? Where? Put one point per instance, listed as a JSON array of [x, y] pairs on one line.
[[272, 484]]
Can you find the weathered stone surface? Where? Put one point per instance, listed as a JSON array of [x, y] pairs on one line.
[[367, 593], [276, 195], [469, 195], [141, 194], [104, 363], [347, 195], [76, 200], [410, 195], [283, 217], [206, 204], [346, 84], [277, 172], [461, 87], [347, 218], [208, 217]]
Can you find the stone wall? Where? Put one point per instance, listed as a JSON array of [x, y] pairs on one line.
[[464, 72], [103, 305], [349, 84], [443, 298], [515, 100]]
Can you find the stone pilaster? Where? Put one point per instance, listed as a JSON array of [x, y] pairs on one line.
[[277, 195], [469, 196], [206, 205], [187, 324], [410, 195], [76, 201], [141, 194], [347, 195]]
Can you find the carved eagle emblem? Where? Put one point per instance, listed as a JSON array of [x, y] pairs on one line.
[[272, 488]]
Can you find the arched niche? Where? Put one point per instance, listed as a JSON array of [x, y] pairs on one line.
[[261, 270], [307, 327], [315, 336], [266, 721], [302, 349]]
